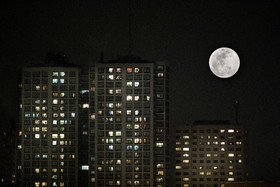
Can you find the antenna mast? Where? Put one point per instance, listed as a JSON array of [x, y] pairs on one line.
[[236, 111], [129, 28]]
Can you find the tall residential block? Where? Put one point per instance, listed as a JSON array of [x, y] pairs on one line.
[[125, 126], [48, 125]]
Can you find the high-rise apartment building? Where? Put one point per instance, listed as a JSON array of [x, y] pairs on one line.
[[210, 153], [125, 109], [48, 125], [104, 125]]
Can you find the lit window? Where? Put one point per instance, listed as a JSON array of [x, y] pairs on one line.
[[137, 126], [186, 137], [136, 70], [54, 142], [136, 84], [129, 84], [118, 133], [37, 136], [136, 98], [55, 81], [111, 70], [159, 74], [231, 179], [178, 149], [55, 101], [160, 144], [230, 130], [129, 98], [85, 167], [186, 161], [54, 122], [129, 70], [62, 81], [118, 91], [54, 135], [137, 140], [128, 112], [61, 136], [178, 167], [73, 114], [62, 74], [230, 155], [222, 130], [111, 77], [111, 133], [55, 74], [119, 70], [111, 147], [186, 149], [118, 105]]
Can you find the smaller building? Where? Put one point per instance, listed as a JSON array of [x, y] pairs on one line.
[[7, 156], [209, 154]]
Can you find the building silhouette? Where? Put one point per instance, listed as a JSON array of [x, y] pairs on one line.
[[7, 156], [209, 154], [103, 125]]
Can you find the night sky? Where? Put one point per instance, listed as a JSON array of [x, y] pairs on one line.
[[181, 32]]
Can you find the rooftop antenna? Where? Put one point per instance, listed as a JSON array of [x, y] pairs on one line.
[[129, 27], [236, 111], [102, 57]]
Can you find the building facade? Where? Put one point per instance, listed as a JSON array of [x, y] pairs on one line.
[[104, 125], [125, 124], [48, 126], [209, 154]]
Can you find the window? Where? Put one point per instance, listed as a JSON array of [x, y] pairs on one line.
[[54, 81], [129, 70], [129, 98], [118, 133]]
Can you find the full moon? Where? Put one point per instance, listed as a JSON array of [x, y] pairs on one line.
[[224, 62]]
